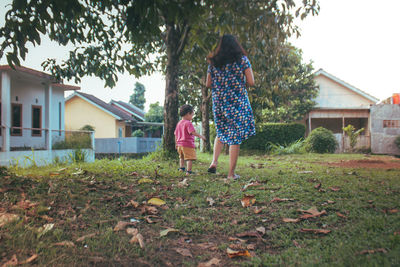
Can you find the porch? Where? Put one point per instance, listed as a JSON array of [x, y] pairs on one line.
[[336, 119]]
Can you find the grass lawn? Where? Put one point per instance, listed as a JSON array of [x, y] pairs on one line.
[[295, 210]]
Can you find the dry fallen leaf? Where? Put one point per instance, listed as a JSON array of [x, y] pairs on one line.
[[156, 201], [296, 244], [251, 247], [80, 239], [45, 228], [312, 212], [249, 234], [138, 238], [304, 172], [132, 231], [65, 244], [392, 211], [289, 220], [210, 263], [261, 230], [145, 181], [210, 201], [183, 183], [277, 199], [122, 225], [341, 215], [237, 253], [12, 262], [315, 231], [134, 203], [7, 218], [317, 186], [372, 251], [29, 260], [184, 252], [166, 231], [334, 188], [248, 200], [257, 210]]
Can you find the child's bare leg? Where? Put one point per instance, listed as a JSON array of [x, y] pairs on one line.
[[181, 163], [218, 145], [189, 165]]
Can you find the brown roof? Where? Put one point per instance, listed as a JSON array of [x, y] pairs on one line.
[[40, 74], [133, 109], [106, 106]]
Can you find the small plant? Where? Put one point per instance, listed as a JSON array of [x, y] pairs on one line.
[[138, 133], [397, 141], [352, 134], [78, 155], [87, 127], [321, 140], [296, 147]]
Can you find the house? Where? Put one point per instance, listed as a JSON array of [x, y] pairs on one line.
[[338, 105], [32, 117], [113, 122], [109, 121]]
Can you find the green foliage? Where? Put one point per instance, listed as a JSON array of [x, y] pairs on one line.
[[274, 133], [321, 140], [137, 98], [77, 156], [74, 141], [397, 142], [155, 113], [87, 127], [297, 147], [352, 134], [138, 133]]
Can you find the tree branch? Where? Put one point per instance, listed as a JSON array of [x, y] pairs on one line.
[[183, 40]]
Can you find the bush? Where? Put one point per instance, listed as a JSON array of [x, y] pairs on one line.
[[87, 127], [321, 140], [138, 133], [397, 141], [281, 134]]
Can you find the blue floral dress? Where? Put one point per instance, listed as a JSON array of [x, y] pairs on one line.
[[233, 116]]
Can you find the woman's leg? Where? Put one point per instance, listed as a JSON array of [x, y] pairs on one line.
[[218, 145], [233, 156]]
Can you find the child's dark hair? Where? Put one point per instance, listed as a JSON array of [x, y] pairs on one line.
[[185, 109]]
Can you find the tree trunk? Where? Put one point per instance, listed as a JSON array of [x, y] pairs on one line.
[[205, 117], [171, 88]]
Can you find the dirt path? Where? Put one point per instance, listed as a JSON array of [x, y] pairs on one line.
[[378, 162]]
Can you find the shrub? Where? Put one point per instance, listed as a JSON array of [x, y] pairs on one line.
[[274, 133], [321, 140], [397, 141], [87, 127], [74, 140], [352, 134], [138, 133]]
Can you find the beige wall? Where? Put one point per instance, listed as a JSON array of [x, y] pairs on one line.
[[79, 112], [335, 95], [119, 124]]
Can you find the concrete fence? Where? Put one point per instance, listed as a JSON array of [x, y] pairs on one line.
[[126, 145]]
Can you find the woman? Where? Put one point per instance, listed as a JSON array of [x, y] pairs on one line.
[[229, 72]]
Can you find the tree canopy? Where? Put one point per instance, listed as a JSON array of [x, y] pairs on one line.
[[137, 98], [112, 36]]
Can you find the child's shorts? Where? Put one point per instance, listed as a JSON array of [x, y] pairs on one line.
[[186, 153]]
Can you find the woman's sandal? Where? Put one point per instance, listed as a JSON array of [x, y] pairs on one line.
[[235, 177], [212, 169]]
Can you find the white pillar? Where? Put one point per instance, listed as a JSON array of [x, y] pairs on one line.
[[48, 117], [5, 111]]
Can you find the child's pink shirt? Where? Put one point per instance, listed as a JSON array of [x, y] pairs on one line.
[[183, 136]]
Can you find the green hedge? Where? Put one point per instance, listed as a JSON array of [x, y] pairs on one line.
[[275, 133]]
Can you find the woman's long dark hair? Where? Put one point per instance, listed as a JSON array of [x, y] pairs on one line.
[[228, 51]]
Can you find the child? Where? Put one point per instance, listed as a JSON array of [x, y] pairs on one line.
[[184, 139]]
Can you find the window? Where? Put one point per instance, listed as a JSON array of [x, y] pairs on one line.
[[36, 120], [16, 119], [391, 123]]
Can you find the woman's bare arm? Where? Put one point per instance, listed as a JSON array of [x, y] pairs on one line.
[[208, 81], [249, 77]]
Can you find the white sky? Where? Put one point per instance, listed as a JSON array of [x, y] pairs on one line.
[[357, 41]]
